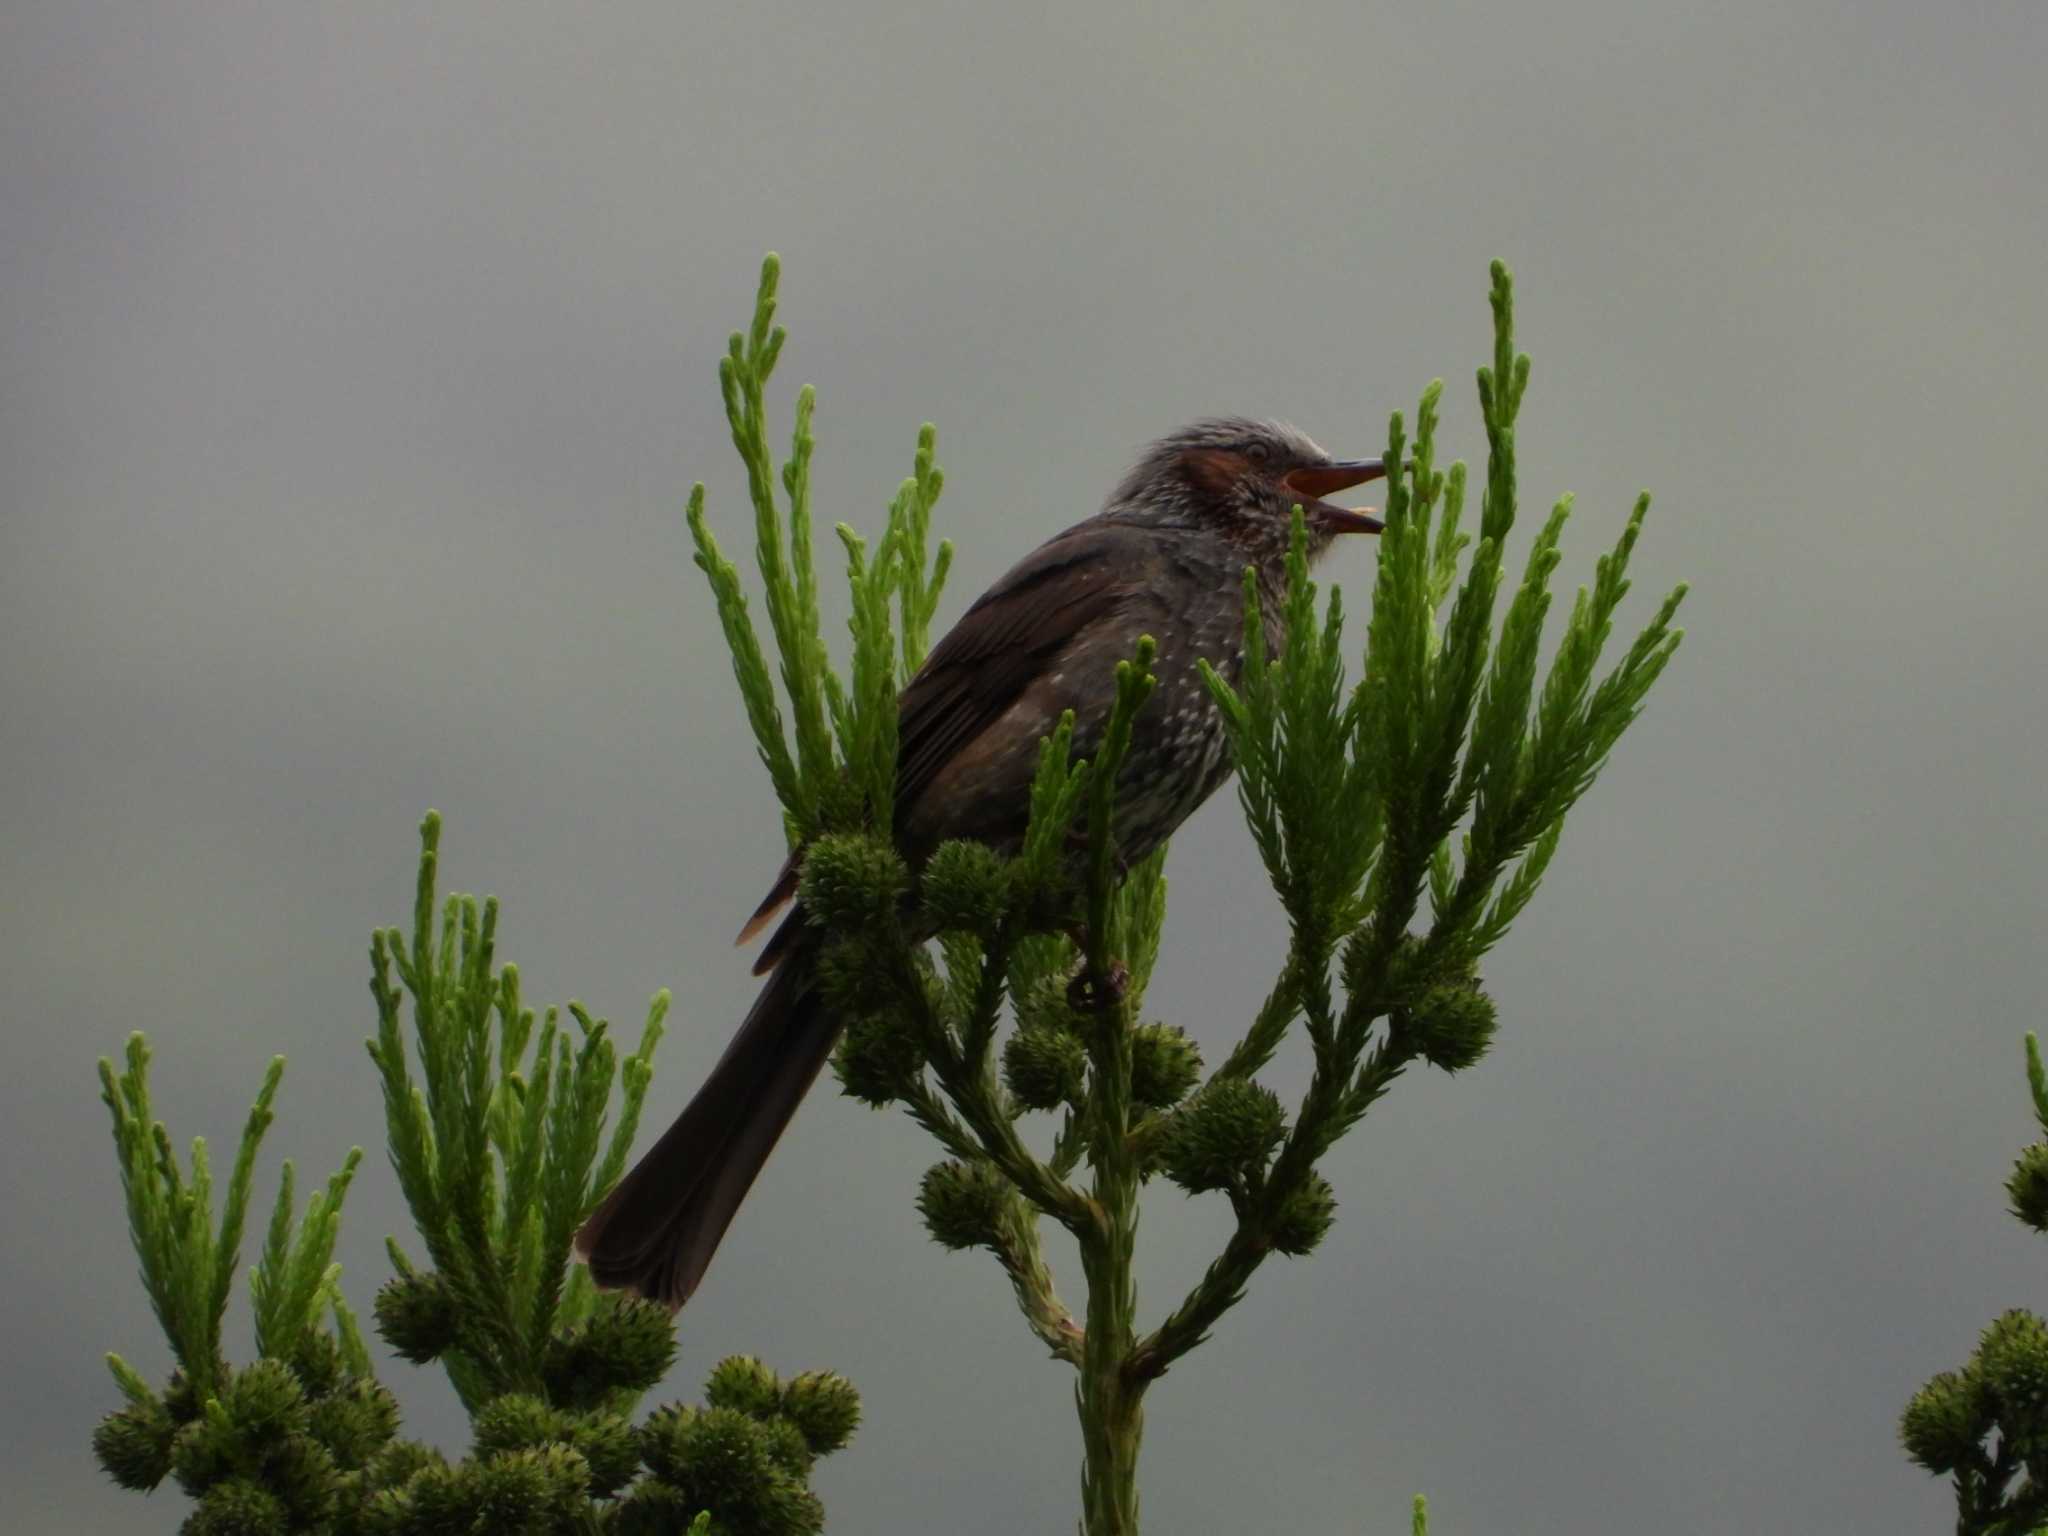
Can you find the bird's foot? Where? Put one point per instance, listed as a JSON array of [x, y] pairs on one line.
[[1093, 993]]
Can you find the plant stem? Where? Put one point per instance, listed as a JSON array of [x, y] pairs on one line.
[[1110, 1399], [1112, 1416]]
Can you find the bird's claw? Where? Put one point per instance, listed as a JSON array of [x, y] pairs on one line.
[[1090, 992]]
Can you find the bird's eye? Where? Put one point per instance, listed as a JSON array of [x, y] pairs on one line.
[[1258, 453]]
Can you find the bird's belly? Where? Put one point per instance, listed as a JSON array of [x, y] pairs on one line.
[[1179, 757]]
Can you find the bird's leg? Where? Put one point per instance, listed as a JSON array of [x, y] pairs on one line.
[[1089, 992]]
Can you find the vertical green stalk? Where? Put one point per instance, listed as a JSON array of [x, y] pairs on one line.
[[1109, 1396], [1110, 1399]]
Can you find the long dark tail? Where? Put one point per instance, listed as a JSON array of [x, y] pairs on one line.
[[656, 1233]]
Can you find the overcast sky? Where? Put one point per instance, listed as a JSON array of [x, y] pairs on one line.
[[358, 360]]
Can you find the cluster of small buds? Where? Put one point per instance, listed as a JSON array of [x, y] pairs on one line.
[[297, 1447], [540, 1488], [279, 1446], [520, 1422], [2002, 1391], [625, 1346], [745, 1457]]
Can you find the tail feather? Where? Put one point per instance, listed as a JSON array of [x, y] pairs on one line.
[[778, 895], [657, 1231]]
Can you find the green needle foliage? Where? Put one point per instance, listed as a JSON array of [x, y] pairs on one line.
[[1405, 819], [496, 1150], [496, 1124], [1986, 1426], [188, 1265], [843, 761]]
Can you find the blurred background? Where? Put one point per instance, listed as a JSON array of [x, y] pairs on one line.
[[358, 360]]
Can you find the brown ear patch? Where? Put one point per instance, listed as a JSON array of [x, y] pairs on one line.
[[1214, 471]]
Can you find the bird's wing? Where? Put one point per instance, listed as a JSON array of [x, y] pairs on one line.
[[1001, 644], [985, 661]]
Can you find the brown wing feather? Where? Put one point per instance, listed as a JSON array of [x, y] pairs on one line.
[[1001, 644], [977, 671]]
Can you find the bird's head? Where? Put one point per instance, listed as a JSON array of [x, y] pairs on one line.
[[1243, 479]]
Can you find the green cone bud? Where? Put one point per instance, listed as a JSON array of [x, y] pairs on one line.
[[627, 1344], [664, 1439], [1305, 1216], [1165, 1065], [787, 1508], [2012, 1363], [1944, 1424], [852, 881], [1451, 1025], [878, 1059], [2028, 1187], [134, 1445], [524, 1491], [788, 1447], [963, 1204], [316, 1361], [202, 1454], [965, 889], [1222, 1134], [745, 1385], [854, 976], [609, 1447], [718, 1457], [264, 1402], [825, 1407], [1044, 1066], [355, 1421], [301, 1473], [416, 1316], [395, 1465], [238, 1507], [442, 1498], [514, 1422], [653, 1509]]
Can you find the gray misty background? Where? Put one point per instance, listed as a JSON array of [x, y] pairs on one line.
[[358, 360]]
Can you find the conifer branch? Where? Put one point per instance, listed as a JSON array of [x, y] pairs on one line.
[[499, 1137], [1442, 774]]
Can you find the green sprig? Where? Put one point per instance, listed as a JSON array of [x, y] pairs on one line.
[[499, 1143], [840, 772]]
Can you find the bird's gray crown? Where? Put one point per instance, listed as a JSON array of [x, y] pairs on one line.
[[1158, 467]]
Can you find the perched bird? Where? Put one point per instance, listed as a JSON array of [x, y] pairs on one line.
[[1166, 557]]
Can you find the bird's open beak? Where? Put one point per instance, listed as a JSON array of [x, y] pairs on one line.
[[1312, 482]]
